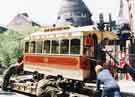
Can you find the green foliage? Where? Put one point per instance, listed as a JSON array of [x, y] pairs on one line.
[[10, 47]]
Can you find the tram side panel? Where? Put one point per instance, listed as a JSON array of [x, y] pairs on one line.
[[72, 67]]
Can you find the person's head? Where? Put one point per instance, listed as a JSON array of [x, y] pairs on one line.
[[98, 69], [19, 63], [20, 59], [37, 76]]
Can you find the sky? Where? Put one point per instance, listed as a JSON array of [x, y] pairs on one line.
[[45, 11]]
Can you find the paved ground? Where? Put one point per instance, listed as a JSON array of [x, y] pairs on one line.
[[10, 94], [13, 94], [127, 87]]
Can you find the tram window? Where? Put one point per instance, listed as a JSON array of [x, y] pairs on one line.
[[39, 47], [75, 46], [55, 46], [46, 48], [26, 47], [32, 47], [111, 42], [64, 47]]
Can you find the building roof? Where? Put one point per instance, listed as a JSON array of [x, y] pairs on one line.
[[22, 18], [75, 13]]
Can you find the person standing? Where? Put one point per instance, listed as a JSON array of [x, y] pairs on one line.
[[101, 51], [110, 86], [11, 70]]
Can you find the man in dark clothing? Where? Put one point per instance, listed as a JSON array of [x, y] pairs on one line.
[[12, 69], [110, 86], [100, 51]]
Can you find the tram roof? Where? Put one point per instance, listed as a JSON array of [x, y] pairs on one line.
[[75, 31], [71, 30]]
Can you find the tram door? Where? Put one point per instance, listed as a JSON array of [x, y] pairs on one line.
[[90, 42]]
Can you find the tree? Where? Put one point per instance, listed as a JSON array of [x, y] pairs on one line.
[[10, 46]]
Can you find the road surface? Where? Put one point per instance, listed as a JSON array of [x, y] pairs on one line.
[[14, 94], [11, 94]]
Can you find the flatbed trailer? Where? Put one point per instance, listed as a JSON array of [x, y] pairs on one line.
[[71, 53], [27, 85]]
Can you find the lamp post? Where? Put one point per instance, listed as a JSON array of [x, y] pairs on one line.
[[101, 24]]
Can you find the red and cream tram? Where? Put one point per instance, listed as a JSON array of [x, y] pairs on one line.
[[63, 51]]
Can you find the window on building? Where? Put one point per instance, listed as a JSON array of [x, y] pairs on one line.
[[46, 48], [69, 19], [55, 46], [64, 49], [75, 46], [58, 17], [32, 47]]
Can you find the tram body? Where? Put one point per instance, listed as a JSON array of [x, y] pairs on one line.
[[66, 52]]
